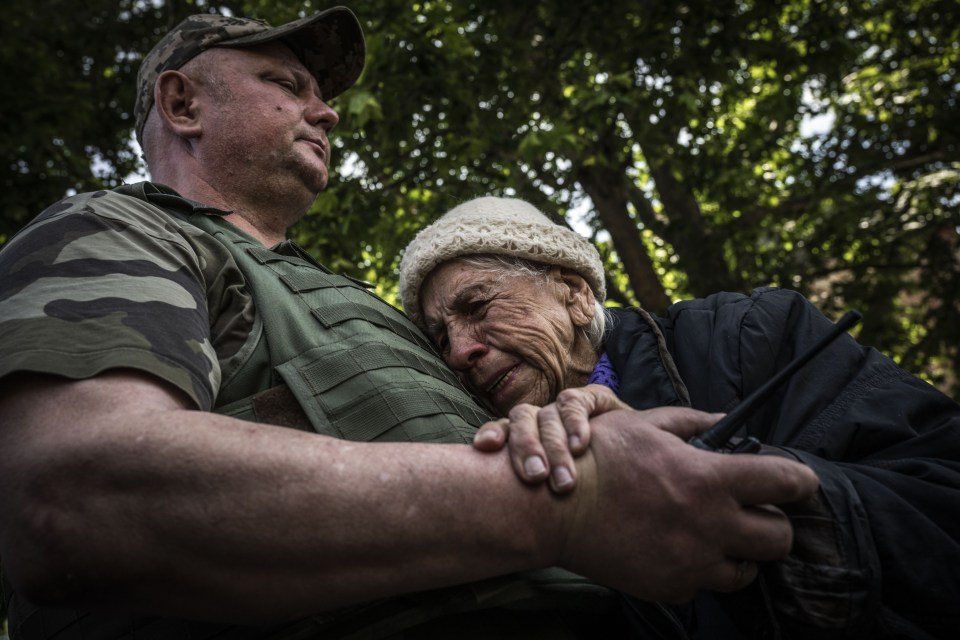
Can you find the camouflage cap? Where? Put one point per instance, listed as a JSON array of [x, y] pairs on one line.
[[329, 43]]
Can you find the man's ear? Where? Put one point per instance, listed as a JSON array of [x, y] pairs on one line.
[[579, 298], [174, 98]]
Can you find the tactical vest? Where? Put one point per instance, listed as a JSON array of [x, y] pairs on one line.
[[356, 366]]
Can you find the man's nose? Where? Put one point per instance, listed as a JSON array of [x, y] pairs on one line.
[[320, 113]]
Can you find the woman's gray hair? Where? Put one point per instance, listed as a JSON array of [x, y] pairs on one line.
[[501, 267]]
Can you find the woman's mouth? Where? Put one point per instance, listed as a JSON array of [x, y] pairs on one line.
[[501, 382]]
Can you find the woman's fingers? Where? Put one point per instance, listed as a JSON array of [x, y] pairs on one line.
[[492, 436], [556, 443], [576, 406], [543, 441], [530, 461]]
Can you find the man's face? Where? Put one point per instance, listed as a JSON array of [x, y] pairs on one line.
[[266, 125]]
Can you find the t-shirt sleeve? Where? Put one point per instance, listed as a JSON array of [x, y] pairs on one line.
[[103, 281]]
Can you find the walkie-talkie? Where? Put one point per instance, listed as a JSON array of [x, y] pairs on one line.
[[716, 437]]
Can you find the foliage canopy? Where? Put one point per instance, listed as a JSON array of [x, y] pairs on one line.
[[704, 145]]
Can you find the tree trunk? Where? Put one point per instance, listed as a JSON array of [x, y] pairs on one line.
[[609, 192]]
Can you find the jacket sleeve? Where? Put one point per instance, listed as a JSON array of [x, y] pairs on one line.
[[878, 553]]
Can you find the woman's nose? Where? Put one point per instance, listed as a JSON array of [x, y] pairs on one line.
[[464, 351]]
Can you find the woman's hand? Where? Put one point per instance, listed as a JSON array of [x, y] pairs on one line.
[[544, 441]]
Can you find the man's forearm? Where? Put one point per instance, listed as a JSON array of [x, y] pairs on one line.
[[188, 512]]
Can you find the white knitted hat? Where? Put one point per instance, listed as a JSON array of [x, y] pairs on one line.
[[502, 226]]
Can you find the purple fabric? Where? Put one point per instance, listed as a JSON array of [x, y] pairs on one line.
[[604, 374]]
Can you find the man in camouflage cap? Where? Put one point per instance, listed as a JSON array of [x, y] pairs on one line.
[[329, 43], [178, 382]]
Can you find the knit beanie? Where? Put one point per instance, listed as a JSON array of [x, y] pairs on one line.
[[501, 226]]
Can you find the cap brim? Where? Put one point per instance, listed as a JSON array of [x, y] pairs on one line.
[[329, 43]]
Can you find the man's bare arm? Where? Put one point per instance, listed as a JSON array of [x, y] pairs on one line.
[[115, 492]]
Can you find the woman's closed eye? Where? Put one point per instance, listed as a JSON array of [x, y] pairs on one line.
[[476, 309]]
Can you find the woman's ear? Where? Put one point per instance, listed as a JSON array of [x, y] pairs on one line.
[[580, 300], [175, 101]]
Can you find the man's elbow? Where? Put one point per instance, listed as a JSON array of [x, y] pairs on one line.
[[41, 559]]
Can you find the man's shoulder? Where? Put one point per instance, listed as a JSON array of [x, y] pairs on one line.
[[143, 218], [152, 208], [127, 197]]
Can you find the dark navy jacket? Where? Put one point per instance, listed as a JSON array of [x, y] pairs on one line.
[[878, 556]]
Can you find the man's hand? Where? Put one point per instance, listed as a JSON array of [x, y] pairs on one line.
[[659, 519], [544, 441]]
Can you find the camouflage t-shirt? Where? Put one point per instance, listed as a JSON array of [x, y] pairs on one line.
[[110, 280]]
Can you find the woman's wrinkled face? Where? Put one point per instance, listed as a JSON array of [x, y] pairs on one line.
[[511, 339]]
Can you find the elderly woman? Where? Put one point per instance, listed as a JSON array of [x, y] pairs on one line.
[[513, 302]]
